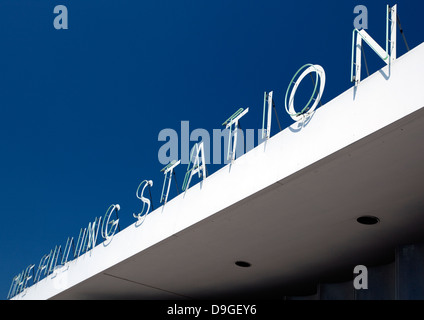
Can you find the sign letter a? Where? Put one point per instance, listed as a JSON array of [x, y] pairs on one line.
[[60, 21], [197, 165]]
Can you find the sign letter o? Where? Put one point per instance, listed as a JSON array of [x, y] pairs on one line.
[[320, 73]]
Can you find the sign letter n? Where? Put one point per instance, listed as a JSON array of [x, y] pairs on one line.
[[60, 21]]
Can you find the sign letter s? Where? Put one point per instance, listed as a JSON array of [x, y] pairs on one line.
[[146, 202]]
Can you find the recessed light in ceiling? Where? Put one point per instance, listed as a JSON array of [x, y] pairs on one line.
[[243, 264], [368, 220]]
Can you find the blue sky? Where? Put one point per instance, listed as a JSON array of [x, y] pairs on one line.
[[81, 108]]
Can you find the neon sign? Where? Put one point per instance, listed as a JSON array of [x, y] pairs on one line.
[[108, 225], [50, 262]]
